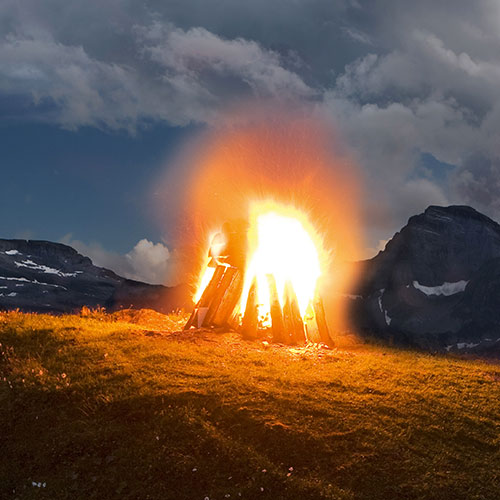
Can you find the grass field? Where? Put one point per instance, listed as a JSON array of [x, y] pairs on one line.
[[116, 406]]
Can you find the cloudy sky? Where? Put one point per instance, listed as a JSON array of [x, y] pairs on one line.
[[96, 97]]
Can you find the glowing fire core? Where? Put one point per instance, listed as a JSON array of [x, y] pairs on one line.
[[283, 244], [285, 249]]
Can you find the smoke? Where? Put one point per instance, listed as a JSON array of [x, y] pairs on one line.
[[147, 261]]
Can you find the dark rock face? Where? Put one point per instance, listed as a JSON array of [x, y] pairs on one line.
[[436, 285], [41, 276]]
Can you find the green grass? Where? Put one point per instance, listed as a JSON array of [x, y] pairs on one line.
[[99, 408]]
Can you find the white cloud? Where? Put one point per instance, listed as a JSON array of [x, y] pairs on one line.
[[147, 261], [174, 75], [190, 59]]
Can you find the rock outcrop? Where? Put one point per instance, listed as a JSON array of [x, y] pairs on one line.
[[436, 285]]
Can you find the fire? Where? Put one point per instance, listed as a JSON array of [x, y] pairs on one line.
[[204, 281], [274, 260], [287, 175], [286, 247]]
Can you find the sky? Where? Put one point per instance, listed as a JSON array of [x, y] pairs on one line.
[[96, 98]]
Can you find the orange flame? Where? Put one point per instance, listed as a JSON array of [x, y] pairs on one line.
[[283, 162], [284, 244]]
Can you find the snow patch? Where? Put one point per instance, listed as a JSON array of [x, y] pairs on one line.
[[445, 289], [11, 252], [352, 297], [462, 345], [34, 282], [11, 294], [45, 269], [468, 345], [387, 318]]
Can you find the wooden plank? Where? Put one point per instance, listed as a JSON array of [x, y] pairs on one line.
[[205, 297], [229, 300], [250, 324], [294, 325], [218, 295], [312, 332], [298, 324], [319, 312], [278, 326], [234, 321]]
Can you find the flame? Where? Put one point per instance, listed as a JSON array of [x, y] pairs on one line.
[[286, 246], [205, 278], [257, 154]]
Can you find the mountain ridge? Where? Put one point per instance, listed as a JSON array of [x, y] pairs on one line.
[[44, 276], [436, 283]]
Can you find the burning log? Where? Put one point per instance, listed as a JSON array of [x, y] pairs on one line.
[[198, 315], [291, 315], [250, 324], [319, 313], [283, 250], [218, 295], [230, 299], [312, 331], [278, 326]]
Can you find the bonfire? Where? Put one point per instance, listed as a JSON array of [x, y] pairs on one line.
[[261, 278]]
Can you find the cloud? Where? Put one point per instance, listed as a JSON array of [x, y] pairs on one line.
[[434, 91], [66, 86], [200, 56], [174, 75], [421, 79], [147, 261], [477, 182]]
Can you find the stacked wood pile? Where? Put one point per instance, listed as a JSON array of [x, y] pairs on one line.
[[219, 307]]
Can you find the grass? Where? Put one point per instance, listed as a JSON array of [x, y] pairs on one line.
[[118, 406]]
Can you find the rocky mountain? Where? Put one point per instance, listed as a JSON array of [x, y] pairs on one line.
[[41, 276], [436, 285]]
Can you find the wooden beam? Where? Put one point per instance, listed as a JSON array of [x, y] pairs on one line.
[[319, 312], [278, 326], [312, 332], [230, 299], [250, 324], [294, 325], [218, 295], [205, 297]]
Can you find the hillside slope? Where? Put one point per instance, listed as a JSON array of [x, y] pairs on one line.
[[105, 407], [42, 276]]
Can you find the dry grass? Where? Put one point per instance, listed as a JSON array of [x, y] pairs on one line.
[[116, 406]]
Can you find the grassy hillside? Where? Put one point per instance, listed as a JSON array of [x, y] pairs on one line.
[[104, 407]]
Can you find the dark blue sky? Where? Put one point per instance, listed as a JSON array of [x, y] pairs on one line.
[[93, 184]]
